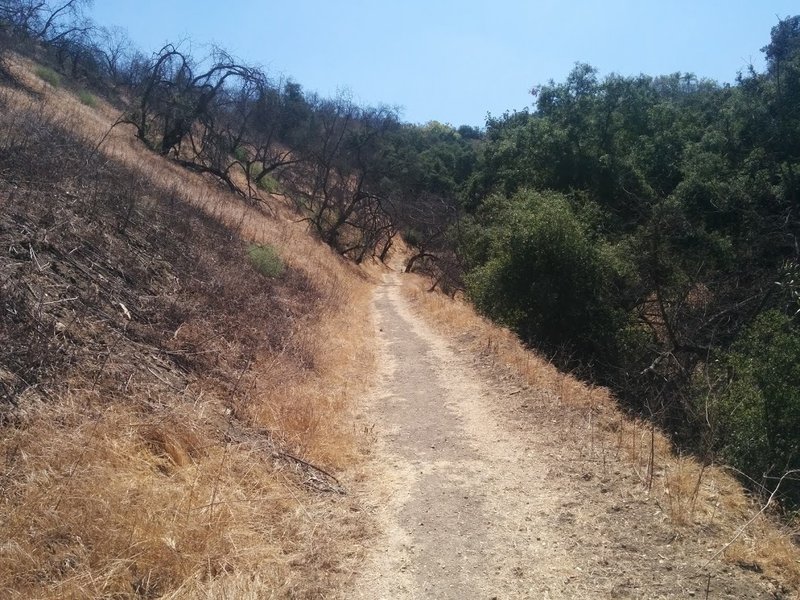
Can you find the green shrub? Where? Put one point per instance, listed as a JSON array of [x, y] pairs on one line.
[[266, 260], [543, 276], [49, 75], [758, 414], [87, 99], [240, 153], [269, 184]]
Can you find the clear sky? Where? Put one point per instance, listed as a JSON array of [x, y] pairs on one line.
[[455, 60]]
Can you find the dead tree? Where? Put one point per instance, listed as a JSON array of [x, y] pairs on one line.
[[192, 116], [337, 185], [45, 21]]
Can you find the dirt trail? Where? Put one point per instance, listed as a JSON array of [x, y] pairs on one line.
[[479, 495]]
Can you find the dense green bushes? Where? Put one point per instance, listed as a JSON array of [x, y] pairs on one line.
[[645, 230], [543, 275], [758, 408]]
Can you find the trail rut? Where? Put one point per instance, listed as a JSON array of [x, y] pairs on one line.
[[479, 494]]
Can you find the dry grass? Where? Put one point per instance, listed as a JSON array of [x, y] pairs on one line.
[[336, 338], [149, 458], [705, 500]]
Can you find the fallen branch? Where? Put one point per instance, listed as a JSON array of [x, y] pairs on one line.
[[281, 454]]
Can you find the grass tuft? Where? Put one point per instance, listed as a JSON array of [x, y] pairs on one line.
[[269, 184], [87, 99], [266, 260], [49, 75], [240, 153]]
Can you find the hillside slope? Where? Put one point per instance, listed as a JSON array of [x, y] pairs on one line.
[[171, 410], [181, 377]]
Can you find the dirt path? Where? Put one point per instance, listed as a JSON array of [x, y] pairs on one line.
[[479, 496]]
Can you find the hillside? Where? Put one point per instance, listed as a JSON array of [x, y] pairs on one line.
[[164, 398], [216, 383]]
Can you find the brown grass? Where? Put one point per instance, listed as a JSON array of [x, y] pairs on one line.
[[149, 459], [705, 500]]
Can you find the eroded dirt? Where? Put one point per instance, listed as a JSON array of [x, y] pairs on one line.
[[481, 491]]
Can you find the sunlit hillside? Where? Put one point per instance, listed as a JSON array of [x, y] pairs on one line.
[[260, 342], [174, 406]]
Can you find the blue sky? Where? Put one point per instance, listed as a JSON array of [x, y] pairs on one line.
[[454, 61]]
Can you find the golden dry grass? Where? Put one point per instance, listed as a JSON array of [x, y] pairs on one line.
[[103, 498], [335, 338], [706, 500]]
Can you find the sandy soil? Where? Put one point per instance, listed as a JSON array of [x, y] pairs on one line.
[[481, 493]]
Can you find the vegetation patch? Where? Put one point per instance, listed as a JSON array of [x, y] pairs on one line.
[[240, 153], [264, 181], [269, 184], [49, 75], [87, 98], [266, 260]]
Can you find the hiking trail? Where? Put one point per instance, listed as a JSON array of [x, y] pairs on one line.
[[480, 492]]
